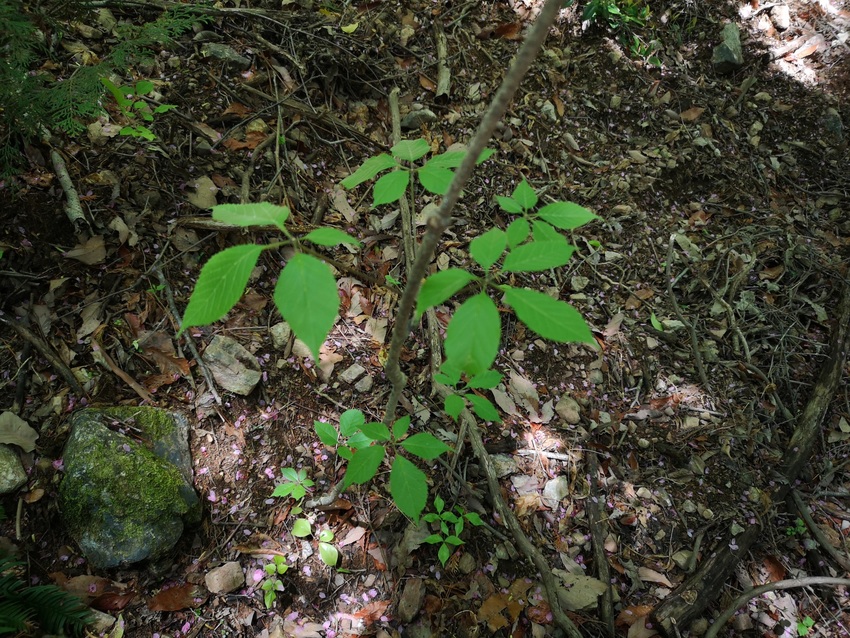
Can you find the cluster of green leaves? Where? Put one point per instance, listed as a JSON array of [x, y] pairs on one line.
[[616, 14], [435, 175], [798, 529], [131, 106], [53, 609], [450, 526], [271, 583], [294, 484], [365, 445], [305, 294], [532, 242], [34, 100], [805, 626], [327, 552]]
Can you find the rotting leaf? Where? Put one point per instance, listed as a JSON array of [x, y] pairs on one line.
[[90, 252], [14, 430], [185, 596]]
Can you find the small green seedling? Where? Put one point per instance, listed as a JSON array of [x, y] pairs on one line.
[[132, 106], [327, 552], [451, 527], [805, 626], [798, 529], [295, 484], [271, 584]]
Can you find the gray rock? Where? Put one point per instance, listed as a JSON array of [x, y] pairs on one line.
[[415, 119], [569, 410], [833, 126], [233, 62], [225, 578], [411, 600], [280, 335], [554, 491], [728, 56], [234, 368], [365, 384], [12, 474], [781, 16], [352, 373], [126, 499], [504, 465]]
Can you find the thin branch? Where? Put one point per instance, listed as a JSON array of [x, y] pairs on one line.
[[817, 532]]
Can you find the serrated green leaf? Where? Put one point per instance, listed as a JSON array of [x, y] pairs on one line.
[[364, 465], [472, 336], [345, 452], [301, 528], [257, 214], [453, 405], [401, 427], [435, 179], [390, 187], [444, 553], [350, 421], [358, 441], [566, 215], [329, 554], [550, 318], [307, 297], [410, 150], [298, 492], [330, 237], [487, 248], [538, 255], [408, 487], [449, 377], [486, 380], [509, 205], [327, 433], [545, 232], [483, 408], [220, 285], [518, 232], [441, 286], [283, 490], [370, 168], [376, 431], [525, 195], [449, 159], [425, 445]]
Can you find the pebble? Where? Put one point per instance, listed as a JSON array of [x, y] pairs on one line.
[[352, 373], [225, 578]]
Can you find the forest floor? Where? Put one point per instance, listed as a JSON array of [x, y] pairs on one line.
[[724, 231]]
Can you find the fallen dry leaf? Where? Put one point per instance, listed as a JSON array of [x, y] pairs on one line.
[[16, 431], [180, 597], [692, 114], [652, 576], [90, 252]]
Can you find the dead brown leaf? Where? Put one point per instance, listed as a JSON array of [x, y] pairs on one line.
[[90, 252], [692, 114], [180, 597]]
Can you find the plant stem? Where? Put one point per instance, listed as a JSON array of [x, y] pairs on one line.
[[443, 218]]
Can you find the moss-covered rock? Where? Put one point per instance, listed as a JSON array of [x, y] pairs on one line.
[[127, 493]]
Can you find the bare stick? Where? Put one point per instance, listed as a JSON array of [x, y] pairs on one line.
[[73, 208]]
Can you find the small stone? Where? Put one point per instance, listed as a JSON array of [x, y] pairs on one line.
[[233, 367], [300, 349], [365, 384], [781, 16], [682, 558], [742, 623], [651, 343], [233, 62], [205, 193], [699, 627], [12, 474], [569, 410], [280, 335], [466, 564], [554, 491], [595, 376], [728, 55], [411, 599], [352, 373], [504, 465], [415, 119], [691, 422], [225, 578]]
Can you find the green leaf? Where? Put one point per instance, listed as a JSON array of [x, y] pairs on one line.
[[307, 297], [435, 179], [390, 187], [433, 539], [283, 490], [345, 452], [439, 503], [369, 169], [518, 232], [487, 248], [473, 334], [301, 528], [449, 159], [550, 318], [376, 431], [486, 154], [351, 421], [545, 232], [289, 474], [655, 323], [408, 487], [444, 553], [509, 205], [486, 380], [329, 554], [220, 284], [440, 286], [525, 195], [330, 237], [244, 215], [143, 87], [364, 465], [453, 405], [327, 433], [401, 427], [453, 540], [473, 518], [425, 445], [164, 108], [483, 408], [410, 150], [538, 255], [298, 492], [326, 536], [566, 215], [358, 441], [447, 376]]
